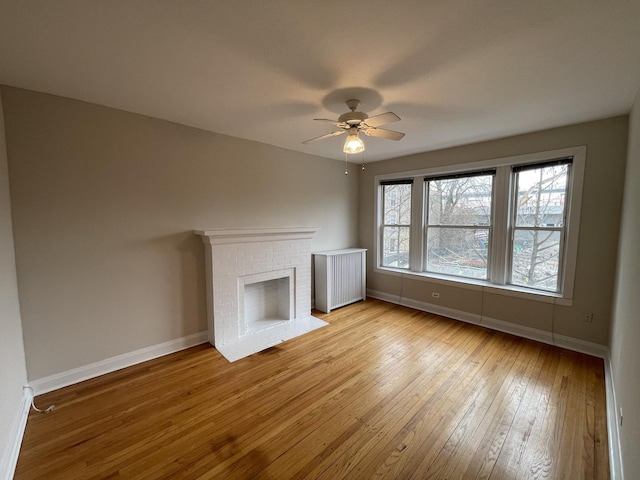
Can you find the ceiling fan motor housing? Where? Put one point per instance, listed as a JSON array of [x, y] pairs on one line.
[[353, 118]]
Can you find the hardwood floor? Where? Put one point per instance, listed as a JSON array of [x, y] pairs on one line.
[[382, 392]]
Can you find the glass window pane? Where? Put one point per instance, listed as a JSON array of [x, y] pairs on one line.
[[395, 247], [460, 201], [397, 204], [535, 259], [541, 196], [458, 251]]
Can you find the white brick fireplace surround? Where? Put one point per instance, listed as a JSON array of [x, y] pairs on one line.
[[258, 288]]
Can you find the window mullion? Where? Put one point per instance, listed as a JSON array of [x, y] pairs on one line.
[[500, 226], [418, 204]]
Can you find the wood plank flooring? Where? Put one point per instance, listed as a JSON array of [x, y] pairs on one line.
[[383, 392]]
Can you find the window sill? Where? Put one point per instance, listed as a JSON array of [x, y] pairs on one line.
[[479, 285]]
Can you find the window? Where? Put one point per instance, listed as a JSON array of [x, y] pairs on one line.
[[459, 224], [508, 223], [396, 223], [538, 224]]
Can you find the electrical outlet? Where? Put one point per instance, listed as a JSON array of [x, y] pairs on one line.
[[620, 416], [435, 294], [588, 317]]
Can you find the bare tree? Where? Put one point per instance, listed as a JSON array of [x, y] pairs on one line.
[[459, 216]]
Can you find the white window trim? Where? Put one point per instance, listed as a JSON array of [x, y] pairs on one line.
[[381, 224], [501, 210]]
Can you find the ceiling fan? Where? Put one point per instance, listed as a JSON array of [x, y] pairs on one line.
[[354, 122]]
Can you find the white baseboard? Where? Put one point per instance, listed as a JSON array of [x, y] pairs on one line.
[[518, 330], [466, 317], [426, 307], [582, 346], [76, 375], [9, 458], [387, 297], [615, 453], [543, 336]]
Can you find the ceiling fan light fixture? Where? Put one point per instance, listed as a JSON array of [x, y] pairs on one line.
[[353, 143]]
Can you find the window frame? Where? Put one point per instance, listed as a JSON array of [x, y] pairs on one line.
[[427, 225], [562, 230], [382, 225], [498, 268]]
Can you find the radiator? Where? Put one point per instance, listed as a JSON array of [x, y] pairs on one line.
[[340, 278]]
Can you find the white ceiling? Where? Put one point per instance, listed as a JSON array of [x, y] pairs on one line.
[[455, 71]]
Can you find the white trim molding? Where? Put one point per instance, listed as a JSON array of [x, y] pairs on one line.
[[539, 335], [518, 330], [9, 458], [76, 375], [219, 236], [615, 453], [582, 346], [466, 317]]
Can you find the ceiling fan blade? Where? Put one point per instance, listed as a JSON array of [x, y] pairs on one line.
[[382, 119], [326, 135], [383, 133], [326, 120]]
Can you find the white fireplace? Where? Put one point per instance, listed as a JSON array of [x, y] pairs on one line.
[[258, 288], [265, 299]]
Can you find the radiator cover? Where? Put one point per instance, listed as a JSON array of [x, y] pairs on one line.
[[340, 278]]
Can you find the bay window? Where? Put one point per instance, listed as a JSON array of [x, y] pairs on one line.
[[509, 223]]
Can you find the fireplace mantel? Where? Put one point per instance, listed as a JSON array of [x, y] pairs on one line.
[[258, 287], [243, 235]]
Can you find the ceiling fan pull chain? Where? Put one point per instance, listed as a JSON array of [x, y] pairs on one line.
[[346, 169]]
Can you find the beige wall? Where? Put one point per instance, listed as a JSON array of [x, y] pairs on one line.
[[625, 330], [606, 142], [13, 374], [104, 204]]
